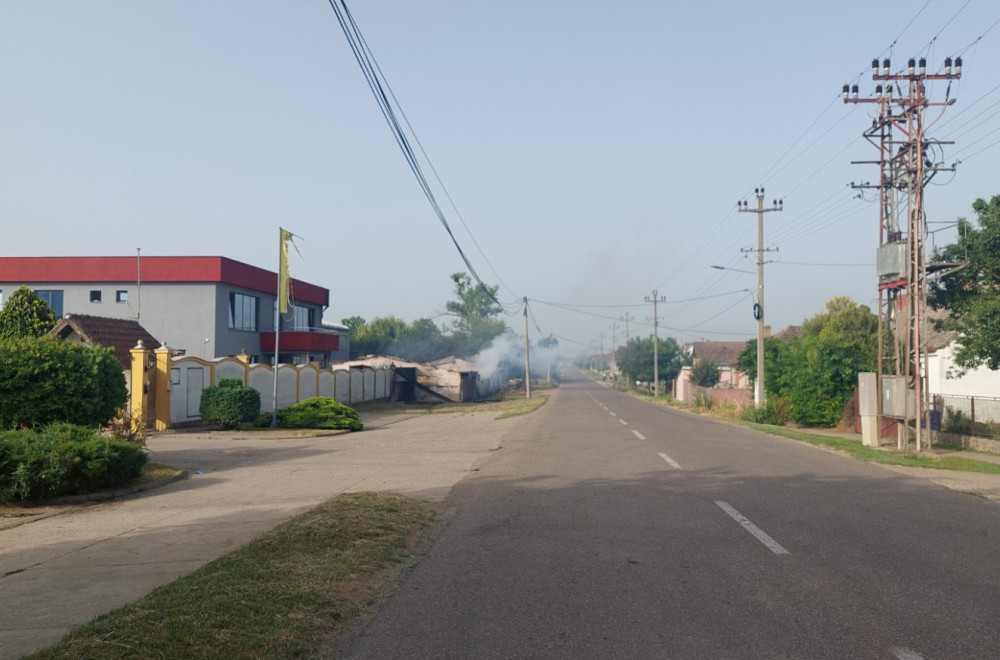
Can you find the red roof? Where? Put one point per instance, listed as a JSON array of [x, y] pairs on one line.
[[153, 269]]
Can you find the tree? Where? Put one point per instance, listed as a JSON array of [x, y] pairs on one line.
[[45, 380], [636, 358], [971, 296], [817, 372], [705, 373], [25, 315], [475, 311]]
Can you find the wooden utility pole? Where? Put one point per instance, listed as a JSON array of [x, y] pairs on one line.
[[758, 308], [655, 299], [527, 353]]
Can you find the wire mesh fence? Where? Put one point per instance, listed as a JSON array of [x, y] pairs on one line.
[[969, 415]]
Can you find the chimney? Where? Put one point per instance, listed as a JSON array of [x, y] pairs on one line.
[[767, 332]]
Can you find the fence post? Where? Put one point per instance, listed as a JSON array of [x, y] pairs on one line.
[[972, 413], [162, 388]]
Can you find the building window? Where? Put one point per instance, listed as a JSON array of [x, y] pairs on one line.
[[95, 295], [53, 298], [242, 312], [300, 319], [121, 296]]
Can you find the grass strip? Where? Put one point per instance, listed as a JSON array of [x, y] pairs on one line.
[[510, 405], [872, 455], [284, 594]]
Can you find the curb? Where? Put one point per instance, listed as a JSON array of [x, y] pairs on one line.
[[94, 497]]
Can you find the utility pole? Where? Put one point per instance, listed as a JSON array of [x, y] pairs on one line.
[[601, 339], [655, 299], [614, 339], [626, 318], [758, 308], [527, 353], [905, 168], [628, 377]]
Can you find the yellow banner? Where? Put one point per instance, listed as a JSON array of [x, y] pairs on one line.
[[283, 272]]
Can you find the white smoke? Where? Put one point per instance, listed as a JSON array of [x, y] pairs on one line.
[[505, 349]]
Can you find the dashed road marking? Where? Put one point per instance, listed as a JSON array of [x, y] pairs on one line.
[[613, 414], [638, 435], [671, 462], [758, 533], [906, 654], [623, 422]]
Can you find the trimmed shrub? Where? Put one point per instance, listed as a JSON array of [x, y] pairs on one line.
[[319, 413], [63, 459], [45, 380], [229, 403]]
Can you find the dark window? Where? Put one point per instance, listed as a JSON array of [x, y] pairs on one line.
[[53, 298], [242, 312], [121, 296], [95, 295]]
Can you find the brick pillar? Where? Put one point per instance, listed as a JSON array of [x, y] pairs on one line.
[[142, 384], [162, 379]]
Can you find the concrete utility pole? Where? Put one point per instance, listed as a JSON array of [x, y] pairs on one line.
[[758, 308], [905, 168], [614, 339], [601, 339], [626, 318], [655, 299], [527, 353]]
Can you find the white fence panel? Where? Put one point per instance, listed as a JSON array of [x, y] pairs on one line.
[[342, 390]]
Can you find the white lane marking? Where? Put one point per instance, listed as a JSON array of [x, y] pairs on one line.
[[771, 544], [905, 654], [623, 422], [638, 435], [612, 414], [671, 462]]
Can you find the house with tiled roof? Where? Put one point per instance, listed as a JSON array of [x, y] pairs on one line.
[[121, 335], [733, 384]]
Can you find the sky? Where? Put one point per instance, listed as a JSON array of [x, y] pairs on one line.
[[595, 152]]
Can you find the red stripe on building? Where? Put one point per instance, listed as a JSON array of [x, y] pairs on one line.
[[72, 270]]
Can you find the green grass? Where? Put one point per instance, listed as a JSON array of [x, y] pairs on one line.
[[282, 595], [855, 449]]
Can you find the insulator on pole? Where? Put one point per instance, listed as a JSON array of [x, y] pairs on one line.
[[958, 66], [923, 66], [947, 66], [847, 91], [885, 67], [854, 92], [875, 68], [911, 65]]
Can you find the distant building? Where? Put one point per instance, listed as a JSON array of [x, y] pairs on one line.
[[201, 306]]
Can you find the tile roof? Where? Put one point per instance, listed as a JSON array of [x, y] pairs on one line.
[[120, 334], [723, 353]]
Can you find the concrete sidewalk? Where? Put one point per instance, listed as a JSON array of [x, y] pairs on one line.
[[61, 571]]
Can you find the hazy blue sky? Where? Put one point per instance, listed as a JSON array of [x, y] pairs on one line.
[[596, 150]]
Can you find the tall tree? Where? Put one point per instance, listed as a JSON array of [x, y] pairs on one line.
[[25, 315], [971, 296], [476, 324], [636, 358], [705, 373], [817, 372]]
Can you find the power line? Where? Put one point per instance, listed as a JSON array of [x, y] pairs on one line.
[[377, 84]]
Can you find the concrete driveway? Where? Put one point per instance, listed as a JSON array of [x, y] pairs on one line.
[[61, 571]]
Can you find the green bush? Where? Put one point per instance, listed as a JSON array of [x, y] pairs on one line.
[[62, 459], [319, 413], [956, 421], [45, 380], [229, 403], [776, 411]]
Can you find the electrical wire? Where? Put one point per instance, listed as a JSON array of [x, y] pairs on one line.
[[376, 83]]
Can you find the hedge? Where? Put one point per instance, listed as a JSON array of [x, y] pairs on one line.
[[63, 459], [229, 403], [319, 413], [45, 380]]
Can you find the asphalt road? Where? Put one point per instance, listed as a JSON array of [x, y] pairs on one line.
[[608, 527]]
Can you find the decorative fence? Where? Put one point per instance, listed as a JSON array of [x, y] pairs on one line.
[[167, 390]]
